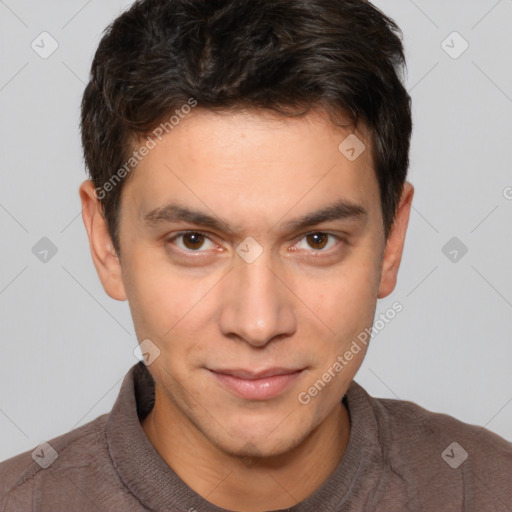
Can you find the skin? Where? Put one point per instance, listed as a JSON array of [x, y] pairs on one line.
[[300, 304]]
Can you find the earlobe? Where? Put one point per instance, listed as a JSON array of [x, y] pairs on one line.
[[395, 243], [102, 249]]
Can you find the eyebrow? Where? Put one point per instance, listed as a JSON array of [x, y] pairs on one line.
[[174, 213]]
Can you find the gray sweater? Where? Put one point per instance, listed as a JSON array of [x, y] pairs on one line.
[[400, 457]]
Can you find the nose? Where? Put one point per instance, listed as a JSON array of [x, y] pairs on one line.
[[257, 308]]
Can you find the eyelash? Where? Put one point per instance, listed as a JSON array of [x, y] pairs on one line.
[[206, 235]]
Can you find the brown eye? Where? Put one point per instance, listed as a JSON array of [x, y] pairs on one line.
[[193, 241], [317, 240]]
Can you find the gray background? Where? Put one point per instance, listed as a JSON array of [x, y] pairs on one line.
[[66, 345]]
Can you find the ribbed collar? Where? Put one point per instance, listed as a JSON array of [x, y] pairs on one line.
[[158, 488]]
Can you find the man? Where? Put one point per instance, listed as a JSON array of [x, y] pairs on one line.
[[248, 197]]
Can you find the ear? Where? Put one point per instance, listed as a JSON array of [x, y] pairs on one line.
[[103, 253], [395, 243]]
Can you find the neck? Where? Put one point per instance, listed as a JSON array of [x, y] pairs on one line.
[[258, 484]]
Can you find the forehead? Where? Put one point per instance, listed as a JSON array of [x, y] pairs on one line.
[[255, 166]]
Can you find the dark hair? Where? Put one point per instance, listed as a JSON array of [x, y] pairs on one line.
[[285, 56]]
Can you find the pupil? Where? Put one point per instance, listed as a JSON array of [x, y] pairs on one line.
[[193, 240], [317, 240]]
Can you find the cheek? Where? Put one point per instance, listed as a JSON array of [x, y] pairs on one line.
[[344, 297], [161, 297], [174, 310]]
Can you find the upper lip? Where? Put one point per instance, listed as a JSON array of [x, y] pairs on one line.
[[261, 374]]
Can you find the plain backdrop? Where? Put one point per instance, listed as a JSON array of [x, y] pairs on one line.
[[66, 345]]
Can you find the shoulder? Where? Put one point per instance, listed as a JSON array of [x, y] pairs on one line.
[[443, 458], [409, 423], [83, 447]]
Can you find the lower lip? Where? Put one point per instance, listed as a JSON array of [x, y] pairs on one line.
[[257, 389]]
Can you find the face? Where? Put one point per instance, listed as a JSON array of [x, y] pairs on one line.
[[252, 256]]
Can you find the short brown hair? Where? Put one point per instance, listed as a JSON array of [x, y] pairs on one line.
[[281, 55]]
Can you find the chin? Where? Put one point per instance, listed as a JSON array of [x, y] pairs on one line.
[[272, 442]]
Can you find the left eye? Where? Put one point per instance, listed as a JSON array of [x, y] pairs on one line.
[[192, 241], [318, 241]]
